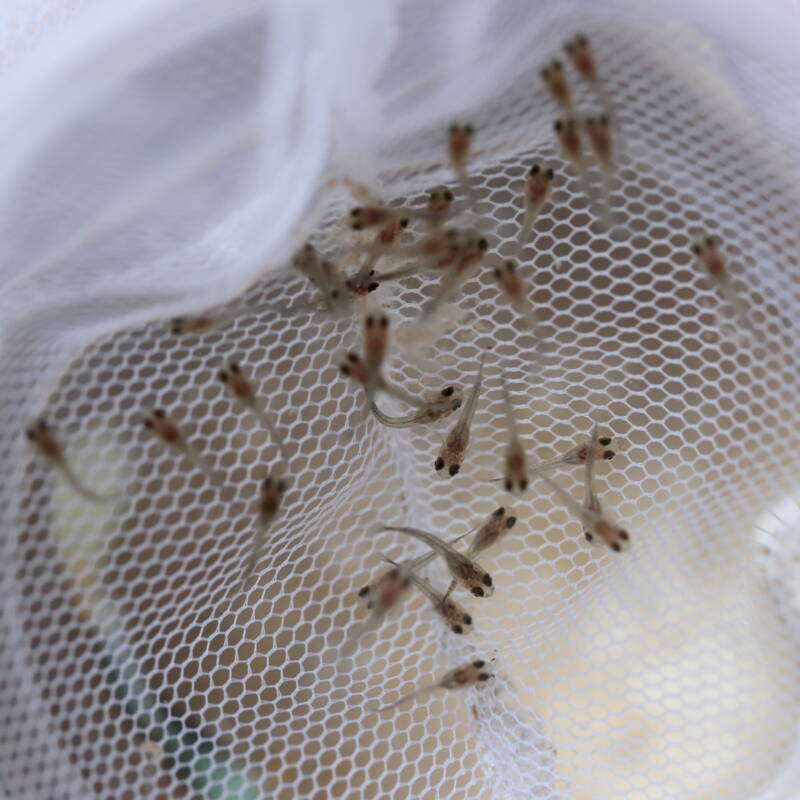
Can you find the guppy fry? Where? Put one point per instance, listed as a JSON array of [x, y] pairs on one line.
[[706, 249], [242, 390], [441, 405], [169, 433], [455, 445], [41, 436], [464, 570], [453, 614], [471, 674], [368, 593], [593, 521]]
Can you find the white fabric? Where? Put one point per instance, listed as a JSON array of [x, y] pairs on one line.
[[163, 157]]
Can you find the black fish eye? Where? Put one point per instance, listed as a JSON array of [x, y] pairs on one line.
[[457, 629], [364, 591], [511, 522], [467, 619], [487, 579], [500, 511], [477, 591], [454, 468], [438, 464], [448, 391], [484, 676], [478, 664]]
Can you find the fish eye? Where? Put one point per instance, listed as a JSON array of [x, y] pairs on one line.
[[508, 485], [478, 664], [467, 619], [500, 511], [438, 464], [483, 244], [550, 174], [373, 286], [159, 413], [615, 547], [487, 579], [696, 249], [608, 455], [558, 126], [448, 195], [223, 376], [448, 391], [498, 273], [484, 676], [454, 468], [30, 433], [511, 522], [523, 485], [364, 591], [404, 222], [477, 591], [624, 536], [605, 441], [534, 169], [709, 241], [457, 629]]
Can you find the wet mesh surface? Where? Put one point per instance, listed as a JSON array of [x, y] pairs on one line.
[[669, 671]]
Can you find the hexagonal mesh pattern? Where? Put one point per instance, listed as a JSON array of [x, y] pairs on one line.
[[669, 671]]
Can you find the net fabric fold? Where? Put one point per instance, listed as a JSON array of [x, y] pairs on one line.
[[128, 668]]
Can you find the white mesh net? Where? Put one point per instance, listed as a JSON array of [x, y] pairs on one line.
[[196, 147]]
